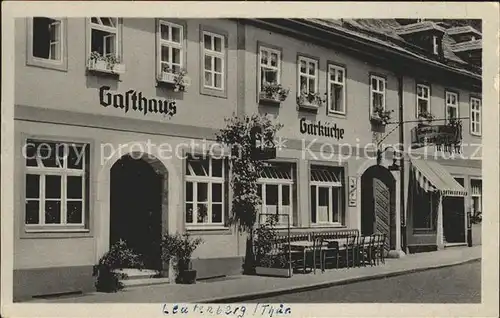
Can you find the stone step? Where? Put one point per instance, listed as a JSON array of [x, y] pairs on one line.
[[130, 283], [134, 273], [450, 245]]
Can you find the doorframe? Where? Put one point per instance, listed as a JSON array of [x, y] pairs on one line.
[[160, 171], [394, 197], [102, 218]]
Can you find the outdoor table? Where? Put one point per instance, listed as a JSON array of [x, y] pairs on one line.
[[303, 246], [342, 243]]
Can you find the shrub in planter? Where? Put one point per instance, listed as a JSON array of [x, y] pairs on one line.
[[381, 116], [425, 116], [180, 248], [119, 256]]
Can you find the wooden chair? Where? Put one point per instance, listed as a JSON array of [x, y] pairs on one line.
[[331, 253], [317, 257], [372, 249], [381, 248], [363, 250], [349, 254]]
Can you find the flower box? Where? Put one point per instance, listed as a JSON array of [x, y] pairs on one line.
[[265, 98], [169, 78], [274, 272], [309, 106], [105, 67]]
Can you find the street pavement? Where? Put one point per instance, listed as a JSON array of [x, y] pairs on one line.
[[457, 284]]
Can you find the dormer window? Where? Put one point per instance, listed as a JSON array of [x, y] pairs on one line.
[[435, 45]]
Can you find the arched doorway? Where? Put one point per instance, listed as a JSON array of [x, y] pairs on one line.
[[137, 192], [378, 204]]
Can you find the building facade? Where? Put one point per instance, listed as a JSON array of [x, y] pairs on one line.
[[92, 95]]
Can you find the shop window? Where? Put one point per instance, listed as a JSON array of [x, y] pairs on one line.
[[451, 101], [423, 99], [475, 116], [377, 94], [214, 59], [476, 196], [275, 187], [423, 209], [56, 186], [170, 47], [205, 192], [327, 195], [308, 75], [269, 66], [336, 90]]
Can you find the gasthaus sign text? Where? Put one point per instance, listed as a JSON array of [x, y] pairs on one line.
[[133, 100]]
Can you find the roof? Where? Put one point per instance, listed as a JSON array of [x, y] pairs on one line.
[[385, 32], [462, 30], [467, 46]]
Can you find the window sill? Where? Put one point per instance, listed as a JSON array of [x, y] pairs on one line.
[[221, 93], [169, 79], [55, 233], [327, 225], [265, 99], [308, 107], [336, 114], [209, 230], [47, 64]]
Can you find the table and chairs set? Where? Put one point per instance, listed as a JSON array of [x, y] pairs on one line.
[[322, 250]]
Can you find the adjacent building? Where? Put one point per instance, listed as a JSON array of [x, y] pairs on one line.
[[94, 94]]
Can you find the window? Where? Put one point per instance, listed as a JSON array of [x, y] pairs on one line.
[[423, 99], [205, 199], [476, 196], [435, 45], [47, 39], [327, 195], [275, 189], [269, 66], [451, 105], [104, 37], [171, 47], [336, 90], [377, 93], [475, 116], [56, 185], [214, 56], [308, 75], [423, 212]]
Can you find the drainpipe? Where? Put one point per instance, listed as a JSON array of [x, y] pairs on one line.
[[402, 164]]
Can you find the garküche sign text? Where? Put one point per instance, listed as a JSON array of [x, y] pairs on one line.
[[135, 101], [319, 129]]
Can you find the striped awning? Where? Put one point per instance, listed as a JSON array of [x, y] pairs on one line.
[[431, 176]]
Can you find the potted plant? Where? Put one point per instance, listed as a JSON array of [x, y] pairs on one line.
[[380, 116], [424, 115], [270, 260], [180, 248], [273, 92], [178, 79], [119, 256], [309, 100], [107, 64]]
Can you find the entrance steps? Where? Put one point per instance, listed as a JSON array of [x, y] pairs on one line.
[[449, 245], [145, 277]]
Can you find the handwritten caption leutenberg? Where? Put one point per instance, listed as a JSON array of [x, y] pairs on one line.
[[239, 311]]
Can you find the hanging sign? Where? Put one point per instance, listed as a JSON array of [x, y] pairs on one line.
[[135, 101], [445, 137], [262, 149]]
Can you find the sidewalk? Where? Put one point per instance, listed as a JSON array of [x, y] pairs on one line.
[[243, 288]]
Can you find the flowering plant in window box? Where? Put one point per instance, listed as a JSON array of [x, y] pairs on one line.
[[178, 79], [380, 116], [310, 100], [273, 92], [106, 64], [425, 116]]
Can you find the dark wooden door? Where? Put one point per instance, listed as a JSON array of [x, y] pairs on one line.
[[382, 207]]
